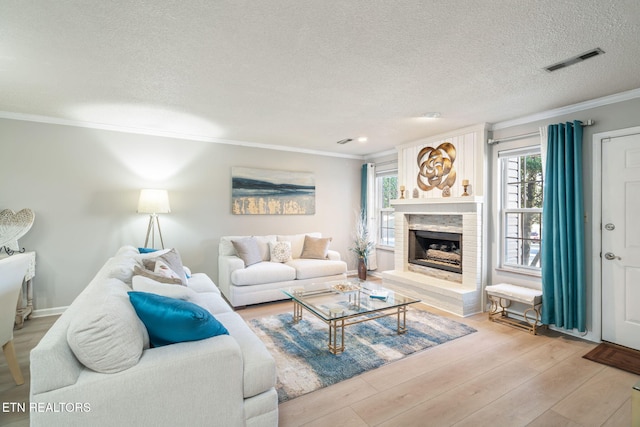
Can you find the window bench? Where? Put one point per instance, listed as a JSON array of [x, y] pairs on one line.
[[502, 295]]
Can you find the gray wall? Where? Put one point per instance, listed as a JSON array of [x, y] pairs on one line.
[[610, 117], [83, 185]]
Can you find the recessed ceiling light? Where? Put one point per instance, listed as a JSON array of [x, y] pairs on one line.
[[431, 115], [362, 139]]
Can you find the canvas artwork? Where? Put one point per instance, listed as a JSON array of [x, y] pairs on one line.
[[272, 192]]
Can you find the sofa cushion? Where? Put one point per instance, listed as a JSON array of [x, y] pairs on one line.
[[311, 268], [264, 272], [170, 320], [200, 282], [248, 250], [106, 335], [126, 250], [315, 247], [259, 374], [280, 251], [121, 267], [212, 301]]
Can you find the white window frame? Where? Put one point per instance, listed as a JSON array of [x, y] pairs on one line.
[[382, 241], [504, 211]]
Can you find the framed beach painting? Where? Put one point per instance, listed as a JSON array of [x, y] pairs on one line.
[[272, 192]]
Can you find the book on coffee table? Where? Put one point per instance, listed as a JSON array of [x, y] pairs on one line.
[[379, 294]]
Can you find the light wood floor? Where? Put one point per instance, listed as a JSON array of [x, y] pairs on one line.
[[498, 376]]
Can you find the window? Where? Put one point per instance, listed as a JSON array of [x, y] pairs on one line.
[[386, 190], [521, 208]]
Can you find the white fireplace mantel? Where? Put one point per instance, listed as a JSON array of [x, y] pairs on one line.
[[441, 201], [459, 295]]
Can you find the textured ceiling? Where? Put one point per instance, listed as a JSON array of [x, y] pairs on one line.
[[306, 74]]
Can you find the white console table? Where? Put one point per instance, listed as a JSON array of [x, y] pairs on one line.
[[24, 308]]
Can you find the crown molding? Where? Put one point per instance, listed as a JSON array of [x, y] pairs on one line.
[[167, 134], [381, 154], [570, 109]]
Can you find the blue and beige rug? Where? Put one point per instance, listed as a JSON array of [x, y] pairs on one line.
[[305, 364]]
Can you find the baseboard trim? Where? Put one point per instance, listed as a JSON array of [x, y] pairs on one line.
[[45, 312]]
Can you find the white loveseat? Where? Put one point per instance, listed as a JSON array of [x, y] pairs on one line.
[[95, 366], [262, 281]]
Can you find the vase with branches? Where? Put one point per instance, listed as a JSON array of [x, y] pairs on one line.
[[363, 245]]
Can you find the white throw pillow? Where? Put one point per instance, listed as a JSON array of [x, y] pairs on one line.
[[280, 251], [146, 284], [108, 336]]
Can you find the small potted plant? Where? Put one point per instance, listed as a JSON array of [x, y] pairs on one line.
[[362, 244]]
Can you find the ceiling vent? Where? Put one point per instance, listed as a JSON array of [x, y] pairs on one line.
[[574, 60], [344, 141]]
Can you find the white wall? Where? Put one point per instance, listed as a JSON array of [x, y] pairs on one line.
[[83, 185]]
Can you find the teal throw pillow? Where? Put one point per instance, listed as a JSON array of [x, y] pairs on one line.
[[147, 250], [170, 320]]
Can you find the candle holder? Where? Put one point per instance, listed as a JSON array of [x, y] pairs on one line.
[[465, 185], [402, 191]]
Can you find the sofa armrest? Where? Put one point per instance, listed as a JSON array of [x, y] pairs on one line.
[[333, 255], [227, 264], [173, 381]]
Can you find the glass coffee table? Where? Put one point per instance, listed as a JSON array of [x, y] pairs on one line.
[[347, 302]]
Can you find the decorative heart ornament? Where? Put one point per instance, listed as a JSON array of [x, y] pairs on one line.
[[13, 226]]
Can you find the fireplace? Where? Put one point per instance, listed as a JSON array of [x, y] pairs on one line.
[[436, 249]]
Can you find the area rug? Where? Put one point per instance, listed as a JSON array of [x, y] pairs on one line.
[[616, 356], [304, 363]]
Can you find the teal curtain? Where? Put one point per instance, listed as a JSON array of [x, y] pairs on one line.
[[563, 263]]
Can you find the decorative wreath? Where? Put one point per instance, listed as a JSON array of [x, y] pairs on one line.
[[435, 167]]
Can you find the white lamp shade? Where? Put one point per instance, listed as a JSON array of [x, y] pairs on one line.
[[154, 202]]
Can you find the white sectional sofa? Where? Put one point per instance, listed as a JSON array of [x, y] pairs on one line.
[[97, 367], [271, 270]]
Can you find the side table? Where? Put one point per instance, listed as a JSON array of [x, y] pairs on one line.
[[24, 308]]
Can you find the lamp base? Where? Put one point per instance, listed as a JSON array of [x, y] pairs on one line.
[[154, 221]]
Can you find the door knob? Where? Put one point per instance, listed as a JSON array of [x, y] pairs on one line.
[[611, 256], [610, 227]]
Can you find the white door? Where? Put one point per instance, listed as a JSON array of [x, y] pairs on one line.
[[621, 240]]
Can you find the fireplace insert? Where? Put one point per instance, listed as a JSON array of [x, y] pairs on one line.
[[436, 250]]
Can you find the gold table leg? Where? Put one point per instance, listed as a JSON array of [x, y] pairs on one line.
[[297, 312], [334, 325], [402, 319]]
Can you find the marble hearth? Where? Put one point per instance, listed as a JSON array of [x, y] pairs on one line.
[[458, 293]]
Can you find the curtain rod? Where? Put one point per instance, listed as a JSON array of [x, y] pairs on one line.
[[528, 135]]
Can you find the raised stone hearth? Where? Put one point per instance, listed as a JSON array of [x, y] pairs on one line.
[[458, 293]]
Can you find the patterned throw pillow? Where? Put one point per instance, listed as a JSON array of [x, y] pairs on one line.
[[164, 270], [280, 251], [139, 271]]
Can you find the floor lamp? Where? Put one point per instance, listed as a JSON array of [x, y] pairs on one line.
[[153, 202]]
